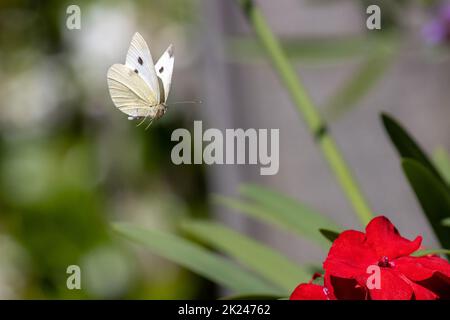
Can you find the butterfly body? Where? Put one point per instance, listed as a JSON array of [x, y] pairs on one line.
[[153, 112], [139, 88]]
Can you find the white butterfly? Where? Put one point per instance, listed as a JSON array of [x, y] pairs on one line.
[[139, 88]]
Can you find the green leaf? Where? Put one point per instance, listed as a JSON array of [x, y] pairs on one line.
[[306, 220], [425, 252], [313, 268], [245, 49], [442, 161], [359, 84], [282, 211], [319, 281], [406, 146], [199, 260], [329, 234], [433, 196], [263, 260]]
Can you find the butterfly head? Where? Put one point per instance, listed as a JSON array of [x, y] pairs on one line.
[[160, 110]]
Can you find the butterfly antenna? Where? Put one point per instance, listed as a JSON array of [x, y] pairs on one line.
[[188, 102]]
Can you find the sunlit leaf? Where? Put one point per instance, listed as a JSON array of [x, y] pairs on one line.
[[442, 161], [406, 146], [199, 260], [425, 252], [263, 260], [433, 196]]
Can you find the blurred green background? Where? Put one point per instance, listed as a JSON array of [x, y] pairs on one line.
[[70, 163]]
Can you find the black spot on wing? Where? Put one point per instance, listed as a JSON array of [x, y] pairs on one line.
[[136, 70], [161, 70], [141, 62]]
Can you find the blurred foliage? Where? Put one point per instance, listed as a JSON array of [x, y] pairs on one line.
[[258, 269], [70, 164], [307, 51], [431, 189], [68, 167], [442, 161], [261, 259], [364, 79], [279, 210]]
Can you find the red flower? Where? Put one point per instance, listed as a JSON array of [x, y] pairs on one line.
[[311, 291], [353, 257]]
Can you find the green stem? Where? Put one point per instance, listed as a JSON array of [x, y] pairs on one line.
[[310, 113]]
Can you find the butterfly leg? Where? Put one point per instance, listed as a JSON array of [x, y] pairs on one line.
[[145, 118], [142, 121], [148, 126]]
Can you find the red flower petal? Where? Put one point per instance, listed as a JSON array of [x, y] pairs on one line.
[[345, 289], [349, 255], [422, 293], [393, 287], [307, 291], [402, 277], [385, 239], [421, 268], [439, 284]]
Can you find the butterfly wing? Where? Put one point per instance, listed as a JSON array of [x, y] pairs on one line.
[[129, 92], [139, 59], [164, 69]]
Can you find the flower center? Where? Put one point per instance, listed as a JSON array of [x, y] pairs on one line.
[[384, 262]]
